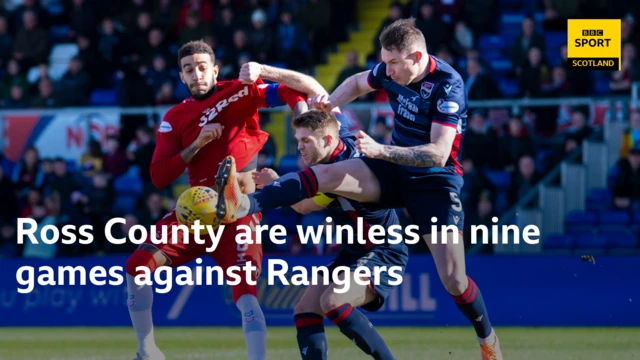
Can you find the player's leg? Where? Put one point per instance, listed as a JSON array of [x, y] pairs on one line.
[[230, 253], [341, 308], [309, 321], [353, 179], [140, 297], [449, 258]]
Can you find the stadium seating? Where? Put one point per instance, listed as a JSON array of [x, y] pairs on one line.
[[578, 221], [103, 97], [558, 242]]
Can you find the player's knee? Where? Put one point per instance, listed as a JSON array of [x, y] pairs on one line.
[[331, 300], [140, 258], [455, 284]]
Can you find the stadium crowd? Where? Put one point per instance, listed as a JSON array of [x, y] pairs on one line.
[[130, 46]]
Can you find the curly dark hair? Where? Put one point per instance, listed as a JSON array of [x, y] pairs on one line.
[[195, 47]]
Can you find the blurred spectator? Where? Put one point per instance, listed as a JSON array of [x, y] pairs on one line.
[[33, 6], [239, 48], [524, 179], [463, 40], [128, 16], [97, 206], [631, 136], [47, 215], [352, 68], [524, 42], [165, 95], [13, 77], [630, 71], [260, 36], [133, 88], [63, 183], [8, 246], [225, 28], [449, 10], [626, 189], [17, 98], [395, 13], [138, 38], [202, 9], [83, 19], [5, 42], [475, 181], [580, 129], [381, 131], [432, 26], [91, 160], [31, 45], [28, 173], [290, 42], [517, 142], [153, 210], [9, 209], [73, 88], [194, 29], [93, 63], [110, 43], [316, 17], [580, 85], [480, 85], [481, 215], [144, 152], [534, 75], [482, 16], [154, 47], [165, 15], [45, 97], [34, 199], [558, 11], [159, 74], [114, 160], [481, 142]]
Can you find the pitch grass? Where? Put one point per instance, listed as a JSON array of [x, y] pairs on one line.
[[406, 343]]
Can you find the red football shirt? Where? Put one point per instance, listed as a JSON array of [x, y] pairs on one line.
[[235, 106]]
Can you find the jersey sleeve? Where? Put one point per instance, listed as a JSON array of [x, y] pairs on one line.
[[167, 164], [377, 75], [274, 95], [342, 122], [450, 103]]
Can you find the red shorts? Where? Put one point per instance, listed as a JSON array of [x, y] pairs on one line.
[[228, 252]]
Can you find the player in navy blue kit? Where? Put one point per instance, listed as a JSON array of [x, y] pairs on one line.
[[420, 170], [322, 140]]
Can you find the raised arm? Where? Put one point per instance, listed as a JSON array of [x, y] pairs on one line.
[[434, 154], [305, 84]]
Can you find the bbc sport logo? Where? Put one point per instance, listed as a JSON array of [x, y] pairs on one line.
[[594, 44]]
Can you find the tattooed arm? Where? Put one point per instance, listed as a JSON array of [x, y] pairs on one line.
[[434, 154]]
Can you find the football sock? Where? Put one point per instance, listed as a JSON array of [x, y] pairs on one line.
[[140, 300], [471, 304], [312, 339], [287, 190], [254, 327], [355, 325]]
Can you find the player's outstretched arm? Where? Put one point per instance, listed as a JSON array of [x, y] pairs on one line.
[[353, 87], [251, 71], [434, 154]]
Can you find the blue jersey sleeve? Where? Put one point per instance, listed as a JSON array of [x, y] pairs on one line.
[[450, 103], [377, 75], [344, 130]]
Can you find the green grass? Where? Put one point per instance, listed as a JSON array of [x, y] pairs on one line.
[[449, 343]]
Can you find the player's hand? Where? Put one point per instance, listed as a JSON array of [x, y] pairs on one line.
[[250, 72], [367, 146], [264, 177], [208, 133], [321, 102]]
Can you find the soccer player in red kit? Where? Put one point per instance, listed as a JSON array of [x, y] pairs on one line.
[[219, 119]]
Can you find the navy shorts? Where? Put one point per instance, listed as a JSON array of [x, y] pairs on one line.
[[435, 195], [378, 256]]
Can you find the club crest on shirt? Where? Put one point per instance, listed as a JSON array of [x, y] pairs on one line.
[[425, 89]]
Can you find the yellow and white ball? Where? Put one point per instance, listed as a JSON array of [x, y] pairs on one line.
[[197, 203]]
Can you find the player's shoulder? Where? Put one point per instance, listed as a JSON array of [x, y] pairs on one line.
[[443, 71], [379, 71]]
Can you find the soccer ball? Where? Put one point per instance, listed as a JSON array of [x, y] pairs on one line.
[[197, 203]]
